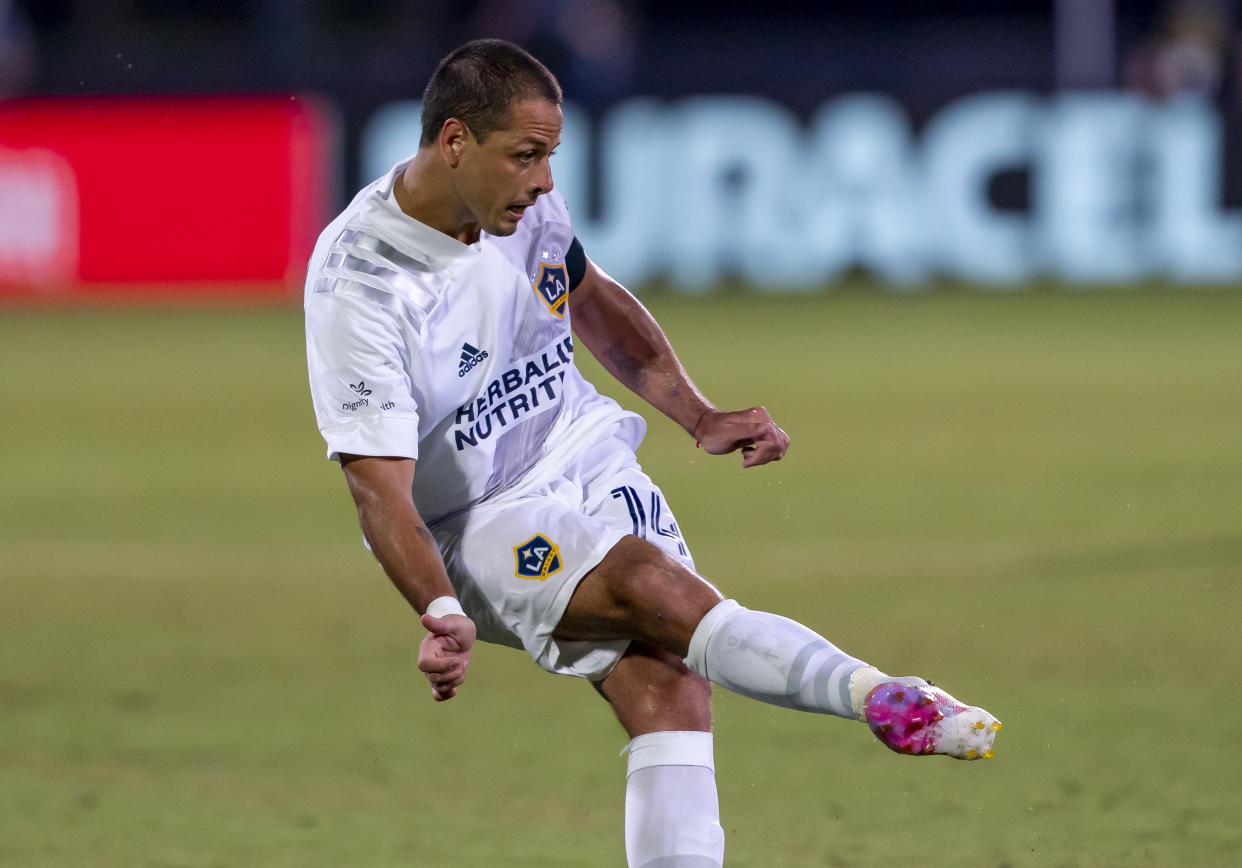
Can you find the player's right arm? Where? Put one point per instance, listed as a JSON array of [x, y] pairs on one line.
[[381, 488], [360, 344]]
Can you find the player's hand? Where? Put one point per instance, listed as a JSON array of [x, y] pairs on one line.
[[444, 653], [752, 431]]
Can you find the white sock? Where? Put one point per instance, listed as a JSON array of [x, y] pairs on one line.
[[672, 815], [773, 659]]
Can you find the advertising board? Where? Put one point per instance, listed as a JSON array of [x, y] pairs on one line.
[[1114, 190], [161, 196]]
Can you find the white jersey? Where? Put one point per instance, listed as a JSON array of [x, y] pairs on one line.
[[459, 356]]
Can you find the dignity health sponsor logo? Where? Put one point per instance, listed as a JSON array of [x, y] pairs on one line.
[[533, 385], [360, 389]]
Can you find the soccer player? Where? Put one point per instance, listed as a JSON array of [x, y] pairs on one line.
[[500, 492]]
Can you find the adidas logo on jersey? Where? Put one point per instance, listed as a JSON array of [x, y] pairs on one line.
[[470, 356]]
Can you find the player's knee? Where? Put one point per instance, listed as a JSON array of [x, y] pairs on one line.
[[649, 583], [640, 593]]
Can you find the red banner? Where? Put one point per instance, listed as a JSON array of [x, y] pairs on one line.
[[181, 196]]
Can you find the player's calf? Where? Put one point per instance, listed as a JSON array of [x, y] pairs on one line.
[[779, 661]]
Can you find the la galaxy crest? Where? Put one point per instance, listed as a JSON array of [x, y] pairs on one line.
[[537, 558], [552, 284]]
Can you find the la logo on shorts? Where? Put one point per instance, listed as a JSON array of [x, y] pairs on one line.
[[552, 284], [537, 558]]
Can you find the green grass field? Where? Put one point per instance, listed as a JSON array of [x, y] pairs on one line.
[[1035, 499]]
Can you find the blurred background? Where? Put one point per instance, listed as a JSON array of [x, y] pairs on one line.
[[982, 260], [786, 146]]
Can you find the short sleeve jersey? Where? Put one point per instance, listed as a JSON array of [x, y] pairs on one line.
[[459, 356]]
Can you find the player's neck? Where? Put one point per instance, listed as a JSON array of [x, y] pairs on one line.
[[423, 192]]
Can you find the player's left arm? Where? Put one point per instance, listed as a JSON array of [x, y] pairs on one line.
[[626, 339]]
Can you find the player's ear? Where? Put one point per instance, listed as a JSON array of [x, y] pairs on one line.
[[452, 139]]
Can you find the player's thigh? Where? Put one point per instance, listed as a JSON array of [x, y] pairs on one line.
[[646, 588], [652, 690], [638, 591]]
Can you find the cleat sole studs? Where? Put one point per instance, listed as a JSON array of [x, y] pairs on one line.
[[979, 725], [972, 753], [996, 725], [988, 754]]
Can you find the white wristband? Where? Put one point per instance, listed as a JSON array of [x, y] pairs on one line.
[[441, 606]]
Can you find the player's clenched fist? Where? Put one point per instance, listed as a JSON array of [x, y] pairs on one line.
[[444, 653], [752, 431]]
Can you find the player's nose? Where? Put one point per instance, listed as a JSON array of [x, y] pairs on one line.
[[543, 180]]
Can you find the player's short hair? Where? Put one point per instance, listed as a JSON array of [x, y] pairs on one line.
[[478, 84]]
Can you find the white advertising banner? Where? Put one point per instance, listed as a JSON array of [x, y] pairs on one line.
[[1118, 189]]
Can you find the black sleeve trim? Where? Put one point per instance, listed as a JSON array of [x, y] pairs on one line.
[[575, 262]]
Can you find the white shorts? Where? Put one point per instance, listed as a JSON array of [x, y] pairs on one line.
[[515, 561]]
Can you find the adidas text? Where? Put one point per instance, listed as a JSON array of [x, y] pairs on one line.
[[470, 357]]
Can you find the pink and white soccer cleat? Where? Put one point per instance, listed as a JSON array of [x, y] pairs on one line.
[[920, 719]]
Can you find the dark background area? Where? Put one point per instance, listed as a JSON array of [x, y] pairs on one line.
[[363, 54], [367, 52]]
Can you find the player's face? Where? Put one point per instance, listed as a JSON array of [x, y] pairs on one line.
[[502, 177]]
